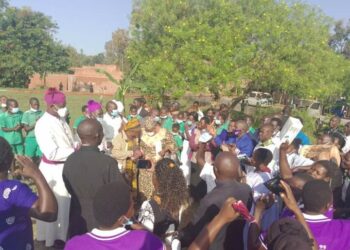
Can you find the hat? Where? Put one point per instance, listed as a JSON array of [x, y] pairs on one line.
[[93, 106], [53, 96], [120, 106], [133, 123], [149, 123]]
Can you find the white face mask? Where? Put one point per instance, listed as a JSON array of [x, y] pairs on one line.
[[33, 110], [189, 123], [163, 117], [150, 134], [62, 112], [14, 110], [3, 105], [217, 122], [174, 133], [156, 119], [99, 119], [115, 113], [179, 121]]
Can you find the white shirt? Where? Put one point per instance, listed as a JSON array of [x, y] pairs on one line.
[[54, 137], [207, 174], [256, 181], [346, 148], [113, 125], [296, 160]]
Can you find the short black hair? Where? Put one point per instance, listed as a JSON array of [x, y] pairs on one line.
[[263, 155], [206, 120], [196, 102], [330, 167], [288, 234], [340, 137], [33, 99], [111, 201], [6, 155], [133, 107], [194, 115], [176, 125], [84, 108], [279, 121], [8, 101], [316, 195], [296, 143]]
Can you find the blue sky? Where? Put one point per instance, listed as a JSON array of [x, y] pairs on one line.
[[88, 24]]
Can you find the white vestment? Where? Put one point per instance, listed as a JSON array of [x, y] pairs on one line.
[[56, 142], [113, 125]]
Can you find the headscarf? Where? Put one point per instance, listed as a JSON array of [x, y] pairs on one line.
[[133, 123], [53, 96], [149, 123], [93, 106]]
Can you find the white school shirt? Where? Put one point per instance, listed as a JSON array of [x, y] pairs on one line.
[[207, 175], [346, 148]]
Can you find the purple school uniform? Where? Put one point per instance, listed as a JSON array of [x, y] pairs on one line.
[[16, 199], [329, 234], [117, 239]]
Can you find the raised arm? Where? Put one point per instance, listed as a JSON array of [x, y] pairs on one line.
[[200, 157], [208, 234], [45, 208], [285, 170], [288, 198]]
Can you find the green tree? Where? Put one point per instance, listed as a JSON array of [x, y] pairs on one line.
[[210, 45], [340, 40], [116, 49], [27, 46]]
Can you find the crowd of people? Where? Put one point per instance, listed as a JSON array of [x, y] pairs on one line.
[[169, 178]]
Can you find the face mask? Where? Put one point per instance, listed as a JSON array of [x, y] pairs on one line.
[[132, 116], [115, 113], [33, 110], [62, 112], [157, 119], [14, 110], [150, 134], [3, 105], [174, 133], [189, 123], [236, 132], [163, 117], [179, 121], [217, 122]]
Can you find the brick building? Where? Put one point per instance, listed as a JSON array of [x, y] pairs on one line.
[[82, 80]]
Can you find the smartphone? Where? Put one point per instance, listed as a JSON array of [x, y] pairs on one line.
[[239, 207], [274, 185], [143, 164]]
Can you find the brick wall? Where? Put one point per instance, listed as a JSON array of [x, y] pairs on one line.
[[81, 80]]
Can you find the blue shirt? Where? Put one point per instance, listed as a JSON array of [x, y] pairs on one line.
[[225, 138], [304, 138], [244, 144]]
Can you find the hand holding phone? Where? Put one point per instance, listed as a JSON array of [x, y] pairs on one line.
[[144, 164], [274, 185]]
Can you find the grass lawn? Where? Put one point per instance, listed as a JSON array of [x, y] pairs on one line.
[[74, 100]]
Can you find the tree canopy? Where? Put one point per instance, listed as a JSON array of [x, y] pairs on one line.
[[27, 46], [216, 45]]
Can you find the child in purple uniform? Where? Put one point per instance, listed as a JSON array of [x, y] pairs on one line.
[[329, 233], [18, 203], [112, 206]]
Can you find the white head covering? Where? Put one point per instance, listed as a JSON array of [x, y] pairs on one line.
[[120, 106]]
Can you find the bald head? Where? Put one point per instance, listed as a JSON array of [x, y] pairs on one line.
[[226, 166], [90, 132]]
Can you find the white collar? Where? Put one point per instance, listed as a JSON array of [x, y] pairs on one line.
[[108, 233], [139, 110], [315, 217]]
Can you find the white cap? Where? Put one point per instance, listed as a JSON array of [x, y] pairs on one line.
[[120, 106]]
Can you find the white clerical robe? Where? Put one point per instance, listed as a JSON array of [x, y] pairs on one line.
[[113, 126], [56, 142]]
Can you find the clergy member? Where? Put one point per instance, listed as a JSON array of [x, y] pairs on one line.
[[56, 143]]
